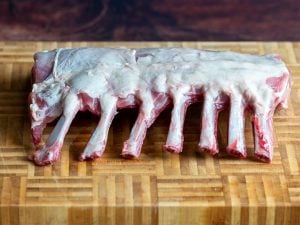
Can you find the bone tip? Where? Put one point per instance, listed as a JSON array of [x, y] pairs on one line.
[[173, 148], [237, 153], [39, 162], [93, 156], [208, 149], [129, 155], [131, 150], [263, 157], [43, 162], [42, 157]]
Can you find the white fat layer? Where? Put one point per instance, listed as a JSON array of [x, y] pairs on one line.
[[123, 72]]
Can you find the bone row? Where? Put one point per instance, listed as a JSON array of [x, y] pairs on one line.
[[150, 109]]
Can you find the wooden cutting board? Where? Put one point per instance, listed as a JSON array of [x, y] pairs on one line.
[[159, 187]]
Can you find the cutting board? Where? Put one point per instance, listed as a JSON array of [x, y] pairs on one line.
[[159, 187]]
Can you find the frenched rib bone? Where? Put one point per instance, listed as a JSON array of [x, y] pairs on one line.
[[103, 80]]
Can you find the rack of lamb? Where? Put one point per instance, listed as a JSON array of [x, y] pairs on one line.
[[103, 80]]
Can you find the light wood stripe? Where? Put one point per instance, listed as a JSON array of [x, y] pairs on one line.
[[294, 189]]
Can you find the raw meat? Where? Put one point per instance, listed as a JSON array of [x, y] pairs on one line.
[[103, 80]]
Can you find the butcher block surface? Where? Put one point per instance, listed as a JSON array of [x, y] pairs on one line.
[[159, 187]]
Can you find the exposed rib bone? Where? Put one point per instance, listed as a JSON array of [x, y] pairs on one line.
[[132, 147], [97, 142], [208, 137], [50, 152], [263, 135], [236, 140], [175, 137]]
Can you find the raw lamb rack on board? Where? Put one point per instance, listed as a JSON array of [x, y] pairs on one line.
[[103, 80]]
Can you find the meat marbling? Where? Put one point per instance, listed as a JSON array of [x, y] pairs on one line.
[[103, 80]]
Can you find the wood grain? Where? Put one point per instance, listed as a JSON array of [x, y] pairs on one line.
[[159, 187], [155, 20]]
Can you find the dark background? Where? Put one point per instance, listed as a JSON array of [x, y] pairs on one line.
[[150, 20]]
